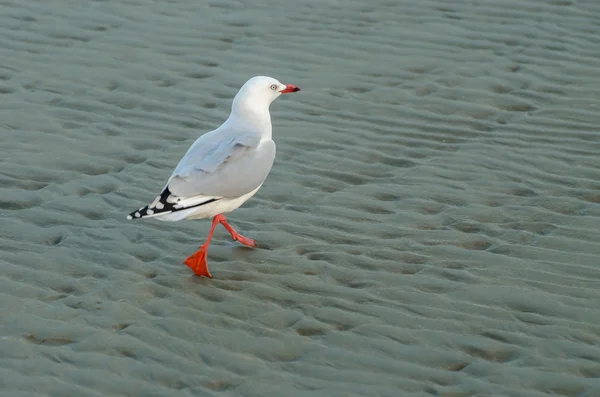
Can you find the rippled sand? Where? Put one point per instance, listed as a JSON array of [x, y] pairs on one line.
[[432, 221]]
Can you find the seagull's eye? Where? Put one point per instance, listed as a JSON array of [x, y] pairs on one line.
[[274, 87]]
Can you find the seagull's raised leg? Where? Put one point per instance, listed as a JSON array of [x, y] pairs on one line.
[[235, 235], [197, 261]]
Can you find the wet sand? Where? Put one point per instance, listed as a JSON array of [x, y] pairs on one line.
[[431, 224]]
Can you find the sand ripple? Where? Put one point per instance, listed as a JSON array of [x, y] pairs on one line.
[[431, 224]]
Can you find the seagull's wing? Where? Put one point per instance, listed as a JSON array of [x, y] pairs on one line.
[[224, 163], [211, 150], [232, 167]]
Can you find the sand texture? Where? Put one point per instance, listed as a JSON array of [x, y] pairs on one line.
[[431, 226]]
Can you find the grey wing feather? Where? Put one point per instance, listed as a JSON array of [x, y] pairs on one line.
[[229, 167], [210, 150]]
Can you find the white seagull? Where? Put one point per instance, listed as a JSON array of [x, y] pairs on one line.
[[223, 168]]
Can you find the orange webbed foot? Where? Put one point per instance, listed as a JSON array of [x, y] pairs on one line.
[[245, 240], [197, 262]]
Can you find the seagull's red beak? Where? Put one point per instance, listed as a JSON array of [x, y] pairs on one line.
[[290, 88]]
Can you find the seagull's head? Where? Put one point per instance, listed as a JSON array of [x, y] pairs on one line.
[[262, 90]]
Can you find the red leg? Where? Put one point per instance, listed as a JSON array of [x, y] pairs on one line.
[[235, 235], [197, 261]]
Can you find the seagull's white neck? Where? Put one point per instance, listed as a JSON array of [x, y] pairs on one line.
[[252, 114]]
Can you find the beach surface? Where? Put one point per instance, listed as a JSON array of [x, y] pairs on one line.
[[431, 225]]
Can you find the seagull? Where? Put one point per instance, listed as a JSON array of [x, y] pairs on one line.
[[223, 168]]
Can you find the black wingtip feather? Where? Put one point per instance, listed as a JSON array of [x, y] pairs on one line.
[[163, 204]]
